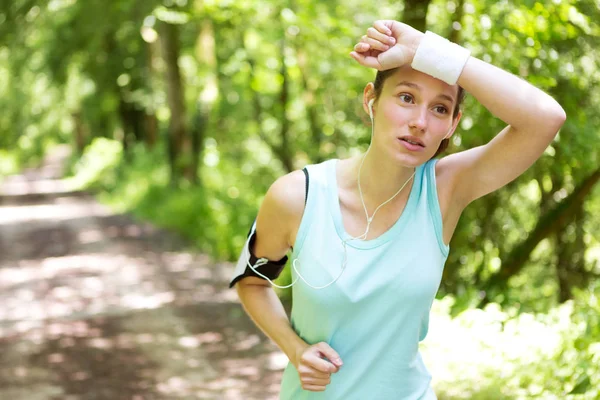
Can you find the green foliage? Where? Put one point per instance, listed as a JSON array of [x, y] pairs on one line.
[[8, 164], [96, 168], [554, 355], [141, 186], [268, 88]]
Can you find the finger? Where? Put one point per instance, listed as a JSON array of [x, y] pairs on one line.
[[318, 382], [374, 43], [381, 27], [367, 61], [313, 388], [361, 47], [316, 362], [307, 372], [395, 26], [380, 37], [330, 353]]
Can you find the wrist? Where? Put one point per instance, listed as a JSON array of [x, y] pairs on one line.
[[440, 58], [294, 351], [415, 45]]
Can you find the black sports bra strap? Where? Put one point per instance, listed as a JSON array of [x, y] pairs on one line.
[[306, 192]]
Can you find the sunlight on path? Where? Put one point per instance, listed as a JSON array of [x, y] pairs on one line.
[[95, 305]]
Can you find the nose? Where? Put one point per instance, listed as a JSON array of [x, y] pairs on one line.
[[419, 119]]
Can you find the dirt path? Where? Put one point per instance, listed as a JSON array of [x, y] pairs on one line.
[[98, 306]]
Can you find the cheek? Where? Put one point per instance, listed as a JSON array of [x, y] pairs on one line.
[[394, 115], [440, 126]]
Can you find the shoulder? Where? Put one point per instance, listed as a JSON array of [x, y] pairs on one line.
[[288, 192], [283, 205]]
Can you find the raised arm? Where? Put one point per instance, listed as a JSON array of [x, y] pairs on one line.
[[533, 117]]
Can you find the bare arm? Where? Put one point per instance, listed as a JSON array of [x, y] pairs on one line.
[[280, 211], [272, 232], [264, 307], [533, 119]]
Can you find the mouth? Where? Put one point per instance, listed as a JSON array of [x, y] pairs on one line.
[[412, 141]]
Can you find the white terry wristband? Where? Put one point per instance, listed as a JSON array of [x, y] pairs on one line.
[[440, 58]]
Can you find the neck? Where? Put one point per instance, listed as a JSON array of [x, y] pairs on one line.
[[380, 179]]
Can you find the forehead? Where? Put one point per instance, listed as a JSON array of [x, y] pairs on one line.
[[427, 83]]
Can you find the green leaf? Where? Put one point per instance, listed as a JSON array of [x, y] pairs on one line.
[[582, 385], [171, 16]]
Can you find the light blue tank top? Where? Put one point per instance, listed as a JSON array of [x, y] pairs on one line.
[[377, 312]]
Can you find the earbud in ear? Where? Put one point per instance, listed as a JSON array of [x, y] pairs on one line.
[[371, 108]]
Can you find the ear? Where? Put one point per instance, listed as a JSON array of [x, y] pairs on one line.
[[454, 125], [368, 95]]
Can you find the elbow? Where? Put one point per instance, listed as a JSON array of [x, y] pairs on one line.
[[559, 117], [554, 119], [546, 118]]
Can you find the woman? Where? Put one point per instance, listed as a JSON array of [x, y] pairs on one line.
[[371, 238]]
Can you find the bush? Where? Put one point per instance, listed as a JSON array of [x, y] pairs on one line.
[[495, 354], [97, 167]]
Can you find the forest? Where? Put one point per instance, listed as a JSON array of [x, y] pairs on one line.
[[184, 112]]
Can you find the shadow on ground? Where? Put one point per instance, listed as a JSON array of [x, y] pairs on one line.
[[99, 306]]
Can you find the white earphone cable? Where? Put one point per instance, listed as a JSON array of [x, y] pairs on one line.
[[262, 261]]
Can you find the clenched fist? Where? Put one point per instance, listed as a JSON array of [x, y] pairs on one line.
[[387, 44], [315, 364]]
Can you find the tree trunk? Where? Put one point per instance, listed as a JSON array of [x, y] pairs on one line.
[[126, 125], [138, 117], [80, 132], [198, 133], [150, 121], [415, 14], [284, 150], [455, 29], [570, 248], [279, 150], [310, 99], [179, 142], [207, 57], [151, 130]]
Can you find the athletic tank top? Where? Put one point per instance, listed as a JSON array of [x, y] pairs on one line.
[[376, 313]]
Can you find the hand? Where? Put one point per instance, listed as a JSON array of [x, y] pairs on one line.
[[387, 44], [314, 370]]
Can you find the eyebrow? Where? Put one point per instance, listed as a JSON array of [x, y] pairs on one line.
[[415, 86]]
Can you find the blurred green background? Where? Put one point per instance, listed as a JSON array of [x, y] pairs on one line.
[[184, 112]]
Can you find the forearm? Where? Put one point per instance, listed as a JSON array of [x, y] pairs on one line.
[[516, 102], [513, 100], [264, 307]]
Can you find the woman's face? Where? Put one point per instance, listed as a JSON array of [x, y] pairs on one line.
[[413, 115]]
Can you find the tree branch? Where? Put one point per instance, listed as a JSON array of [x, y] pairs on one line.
[[555, 219]]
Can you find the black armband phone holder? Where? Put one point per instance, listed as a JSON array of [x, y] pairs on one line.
[[267, 268]]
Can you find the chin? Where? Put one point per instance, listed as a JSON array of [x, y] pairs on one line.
[[412, 160]]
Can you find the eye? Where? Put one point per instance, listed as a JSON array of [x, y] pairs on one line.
[[406, 98], [441, 109]]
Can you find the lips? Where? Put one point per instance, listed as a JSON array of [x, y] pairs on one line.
[[412, 140]]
